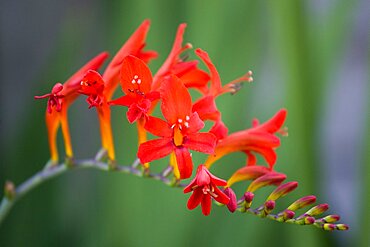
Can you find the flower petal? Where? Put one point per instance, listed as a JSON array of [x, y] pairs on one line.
[[201, 142], [221, 196], [125, 100], [206, 204], [195, 199], [134, 113], [176, 100], [195, 124], [158, 127], [184, 162], [219, 130], [155, 149], [247, 173], [273, 124], [206, 108], [135, 75]]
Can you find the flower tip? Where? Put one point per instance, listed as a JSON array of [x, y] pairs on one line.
[[248, 196], [342, 227], [270, 205]]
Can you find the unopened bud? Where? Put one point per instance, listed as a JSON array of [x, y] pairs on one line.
[[9, 190], [331, 218], [248, 198], [342, 227], [286, 215], [319, 209], [328, 227], [302, 202], [282, 190], [271, 178], [232, 205], [309, 220]]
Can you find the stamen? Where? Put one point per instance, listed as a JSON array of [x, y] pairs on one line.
[[179, 120], [186, 124], [187, 118], [135, 76]]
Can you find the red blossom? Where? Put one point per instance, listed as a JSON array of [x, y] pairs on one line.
[[92, 85], [204, 187], [179, 132], [55, 98], [136, 81]]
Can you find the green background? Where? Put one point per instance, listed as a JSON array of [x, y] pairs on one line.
[[311, 57]]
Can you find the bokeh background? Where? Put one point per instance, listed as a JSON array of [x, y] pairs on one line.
[[311, 57]]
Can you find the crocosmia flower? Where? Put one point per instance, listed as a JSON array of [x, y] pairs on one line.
[[204, 188], [92, 85], [136, 81], [60, 98], [179, 132]]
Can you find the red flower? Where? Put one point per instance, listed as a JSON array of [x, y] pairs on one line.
[[60, 98], [136, 81], [204, 187], [179, 133], [92, 85], [260, 139], [187, 71]]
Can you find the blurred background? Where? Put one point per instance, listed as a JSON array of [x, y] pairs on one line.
[[311, 57]]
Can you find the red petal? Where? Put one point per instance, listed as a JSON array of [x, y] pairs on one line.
[[172, 57], [273, 124], [176, 100], [158, 127], [195, 199], [206, 204], [195, 124], [197, 79], [126, 100], [216, 180], [155, 149], [271, 178], [221, 196], [135, 75], [201, 142], [184, 162], [206, 108], [216, 85], [154, 95]]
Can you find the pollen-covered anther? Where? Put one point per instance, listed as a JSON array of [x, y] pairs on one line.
[[136, 80]]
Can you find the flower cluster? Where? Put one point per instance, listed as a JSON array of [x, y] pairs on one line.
[[181, 127]]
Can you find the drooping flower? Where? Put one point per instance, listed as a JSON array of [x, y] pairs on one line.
[[136, 80], [258, 139], [187, 71], [60, 98], [204, 188], [179, 132], [101, 88], [206, 105]]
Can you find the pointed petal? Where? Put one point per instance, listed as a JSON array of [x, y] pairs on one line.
[[221, 196], [216, 85], [216, 180], [172, 57], [133, 113], [155, 149], [190, 186], [195, 199], [273, 124], [176, 100], [158, 127], [135, 75], [184, 162], [206, 204], [201, 142], [197, 79], [219, 130], [125, 100]]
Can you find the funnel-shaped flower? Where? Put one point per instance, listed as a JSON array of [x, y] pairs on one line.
[[60, 98], [101, 88], [187, 71], [204, 188], [260, 139], [179, 132]]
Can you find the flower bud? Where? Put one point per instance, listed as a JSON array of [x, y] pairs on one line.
[[248, 198], [342, 227], [285, 215], [319, 209], [309, 220], [282, 190], [331, 218], [271, 178], [328, 227], [232, 205], [302, 202]]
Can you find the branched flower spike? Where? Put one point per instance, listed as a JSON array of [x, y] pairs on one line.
[[178, 130]]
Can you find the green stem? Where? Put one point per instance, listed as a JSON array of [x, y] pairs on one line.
[[53, 171]]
